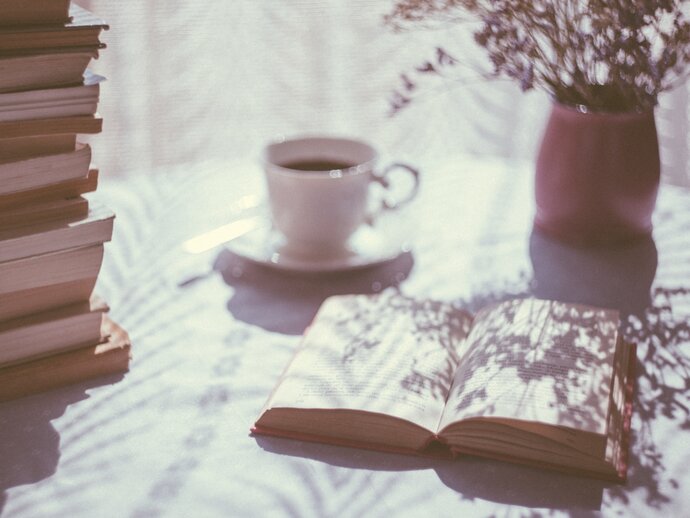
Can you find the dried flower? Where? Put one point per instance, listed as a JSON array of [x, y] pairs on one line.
[[608, 55]]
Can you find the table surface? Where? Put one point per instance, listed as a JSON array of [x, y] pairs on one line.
[[212, 333]]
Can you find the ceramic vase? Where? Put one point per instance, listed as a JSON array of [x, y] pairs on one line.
[[597, 175]]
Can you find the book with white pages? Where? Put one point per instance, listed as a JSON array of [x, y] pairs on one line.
[[109, 355], [22, 148], [42, 212], [52, 236], [29, 71], [32, 173], [34, 12], [58, 191], [50, 295], [83, 30], [47, 281], [67, 101], [83, 124], [50, 332]]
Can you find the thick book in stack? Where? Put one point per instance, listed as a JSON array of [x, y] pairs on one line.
[[53, 329]]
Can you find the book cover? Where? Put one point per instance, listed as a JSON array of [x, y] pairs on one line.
[[41, 71], [34, 12], [111, 355], [49, 269], [66, 101], [28, 215], [44, 333], [36, 172], [12, 149], [83, 30], [57, 234], [58, 191], [87, 124], [47, 296]]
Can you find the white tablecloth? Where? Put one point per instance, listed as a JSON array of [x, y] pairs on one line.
[[212, 333]]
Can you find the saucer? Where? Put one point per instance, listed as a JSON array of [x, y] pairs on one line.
[[368, 246]]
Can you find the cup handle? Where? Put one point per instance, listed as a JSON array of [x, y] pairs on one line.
[[383, 180]]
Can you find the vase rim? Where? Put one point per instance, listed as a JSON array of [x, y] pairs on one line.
[[585, 110]]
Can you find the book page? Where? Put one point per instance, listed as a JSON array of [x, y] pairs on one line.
[[540, 361], [385, 353]]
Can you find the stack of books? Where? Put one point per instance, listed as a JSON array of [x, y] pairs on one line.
[[53, 329]]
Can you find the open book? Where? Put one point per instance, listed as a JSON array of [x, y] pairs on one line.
[[531, 381]]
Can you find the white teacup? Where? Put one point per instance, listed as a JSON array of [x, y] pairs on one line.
[[319, 190]]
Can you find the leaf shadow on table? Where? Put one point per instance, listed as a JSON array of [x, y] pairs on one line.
[[286, 302], [623, 277], [29, 444]]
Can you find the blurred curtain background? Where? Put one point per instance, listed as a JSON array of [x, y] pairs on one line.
[[193, 81]]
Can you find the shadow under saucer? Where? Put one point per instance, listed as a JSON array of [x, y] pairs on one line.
[[286, 302]]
